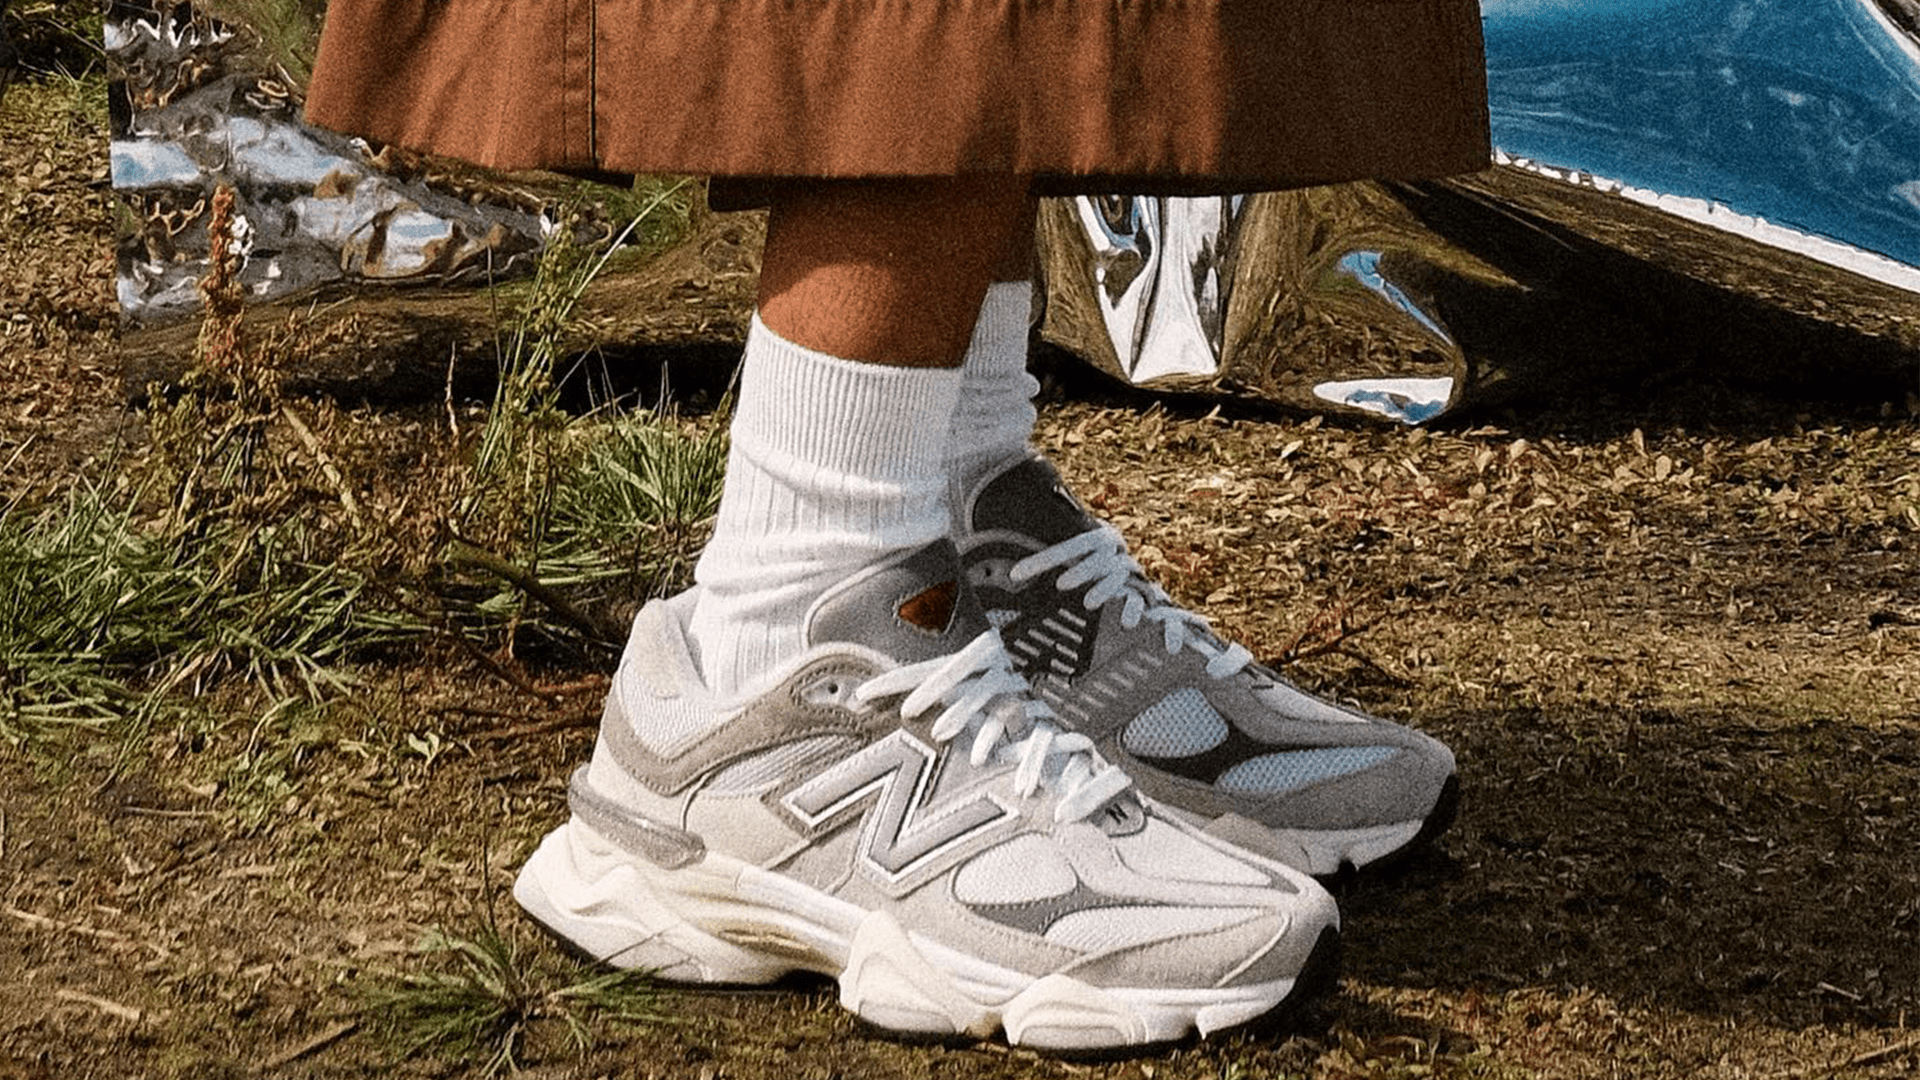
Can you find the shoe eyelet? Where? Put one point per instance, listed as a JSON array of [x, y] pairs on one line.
[[829, 692]]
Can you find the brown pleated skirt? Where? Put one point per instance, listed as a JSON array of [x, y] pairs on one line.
[[1149, 96]]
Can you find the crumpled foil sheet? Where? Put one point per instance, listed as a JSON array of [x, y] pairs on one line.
[[314, 207]]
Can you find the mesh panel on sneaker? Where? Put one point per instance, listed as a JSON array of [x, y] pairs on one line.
[[1101, 929], [780, 764], [1271, 774], [1023, 870], [1181, 724], [1208, 731]]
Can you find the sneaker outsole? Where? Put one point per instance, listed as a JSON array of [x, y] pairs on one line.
[[1319, 977], [631, 918]]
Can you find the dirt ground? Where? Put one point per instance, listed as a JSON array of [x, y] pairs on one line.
[[1673, 636]]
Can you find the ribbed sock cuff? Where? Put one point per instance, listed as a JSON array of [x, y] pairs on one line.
[[804, 410], [994, 417], [835, 464], [998, 348]]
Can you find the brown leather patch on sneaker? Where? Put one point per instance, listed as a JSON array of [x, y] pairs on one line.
[[930, 609]]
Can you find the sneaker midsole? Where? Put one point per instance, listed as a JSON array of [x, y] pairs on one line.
[[724, 921]]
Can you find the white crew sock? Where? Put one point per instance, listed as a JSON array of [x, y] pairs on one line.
[[834, 465], [994, 418]]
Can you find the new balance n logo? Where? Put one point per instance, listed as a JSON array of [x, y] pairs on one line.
[[901, 832]]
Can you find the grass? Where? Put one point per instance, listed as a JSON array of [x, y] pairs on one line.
[[648, 480], [629, 509], [277, 754], [103, 614], [78, 98], [484, 995], [213, 607], [580, 515], [58, 37], [236, 549], [668, 205], [526, 409], [286, 33], [203, 562], [212, 600]]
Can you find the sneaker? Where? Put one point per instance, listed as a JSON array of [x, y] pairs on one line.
[[1226, 742], [897, 811]]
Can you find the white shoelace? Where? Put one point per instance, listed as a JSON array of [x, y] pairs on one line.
[[1100, 556], [981, 690]]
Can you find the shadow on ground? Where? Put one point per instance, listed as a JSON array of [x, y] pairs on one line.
[[1754, 866]]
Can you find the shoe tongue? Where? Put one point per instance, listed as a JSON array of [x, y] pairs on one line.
[[914, 607], [1030, 498]]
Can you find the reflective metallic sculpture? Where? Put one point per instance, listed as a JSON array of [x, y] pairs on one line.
[[190, 112], [1729, 182]]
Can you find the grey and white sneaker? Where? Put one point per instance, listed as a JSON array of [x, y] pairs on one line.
[[899, 812], [1225, 742]]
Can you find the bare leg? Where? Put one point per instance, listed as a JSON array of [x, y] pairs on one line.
[[890, 272], [1017, 257]]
